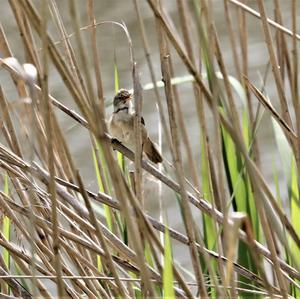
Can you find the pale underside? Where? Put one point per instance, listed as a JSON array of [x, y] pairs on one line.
[[121, 127]]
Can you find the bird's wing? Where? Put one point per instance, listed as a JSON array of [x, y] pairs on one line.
[[142, 119]]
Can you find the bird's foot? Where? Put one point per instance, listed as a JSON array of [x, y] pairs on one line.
[[115, 141]]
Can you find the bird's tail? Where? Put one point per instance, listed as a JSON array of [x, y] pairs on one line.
[[152, 152]]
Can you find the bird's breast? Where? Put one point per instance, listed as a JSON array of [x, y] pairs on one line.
[[121, 127]]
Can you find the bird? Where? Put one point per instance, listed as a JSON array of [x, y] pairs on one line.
[[121, 126]]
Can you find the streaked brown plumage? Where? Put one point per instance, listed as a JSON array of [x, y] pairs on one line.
[[121, 126]]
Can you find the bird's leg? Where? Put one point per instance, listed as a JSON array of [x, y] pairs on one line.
[[115, 141]]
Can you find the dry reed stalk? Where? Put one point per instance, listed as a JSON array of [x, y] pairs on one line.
[[284, 47], [205, 28], [50, 152], [33, 199], [234, 115], [214, 188], [107, 255], [69, 51], [261, 204], [253, 251], [290, 134], [152, 74], [257, 15], [274, 64], [186, 29], [177, 160], [245, 67], [294, 81], [279, 39], [150, 65], [26, 35], [232, 40], [233, 111], [19, 252], [16, 288], [99, 103], [138, 98], [159, 104], [41, 287], [44, 249], [114, 204], [58, 61], [182, 126], [183, 16], [9, 124], [177, 47], [217, 169]]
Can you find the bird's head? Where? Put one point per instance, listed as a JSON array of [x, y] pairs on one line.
[[122, 100]]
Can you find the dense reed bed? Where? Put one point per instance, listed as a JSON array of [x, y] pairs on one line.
[[60, 239]]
